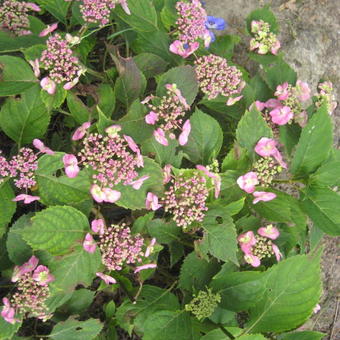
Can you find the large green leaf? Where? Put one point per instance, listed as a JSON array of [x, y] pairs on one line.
[[58, 8], [314, 145], [16, 76], [251, 128], [322, 206], [164, 232], [78, 109], [7, 206], [185, 79], [150, 64], [56, 229], [26, 118], [196, 273], [205, 139], [9, 43], [72, 329], [304, 335], [7, 330], [293, 289]]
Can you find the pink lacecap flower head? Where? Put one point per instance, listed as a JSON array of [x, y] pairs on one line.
[[49, 29], [282, 91], [132, 145], [81, 131], [111, 196], [252, 260], [167, 173], [248, 182], [26, 198], [98, 226], [159, 135], [8, 312], [41, 147], [269, 231], [263, 196], [139, 182], [42, 275], [106, 278], [71, 165], [247, 241], [266, 147], [232, 100], [303, 90], [273, 103], [281, 115], [48, 85], [113, 130], [149, 248], [33, 6], [277, 252], [89, 244], [151, 202], [36, 67], [97, 193], [183, 137], [151, 118], [27, 267], [177, 47], [275, 48], [145, 266]]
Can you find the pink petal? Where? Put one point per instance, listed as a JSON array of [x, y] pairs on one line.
[[37, 143], [160, 137], [48, 85], [81, 131], [145, 266], [252, 260], [71, 165], [263, 196], [269, 231], [111, 196], [282, 91], [247, 241], [89, 244], [277, 252], [183, 137], [266, 147], [248, 182], [106, 278], [139, 182], [49, 29], [42, 275], [151, 202], [177, 47], [150, 247], [97, 193], [151, 118], [281, 115], [33, 6], [132, 145], [232, 100], [27, 267], [303, 90], [98, 226], [273, 103], [36, 67], [167, 173], [26, 198]]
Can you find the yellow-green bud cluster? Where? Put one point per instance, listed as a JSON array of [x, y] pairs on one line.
[[266, 168], [263, 247]]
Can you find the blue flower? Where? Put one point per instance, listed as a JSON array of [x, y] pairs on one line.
[[215, 23]]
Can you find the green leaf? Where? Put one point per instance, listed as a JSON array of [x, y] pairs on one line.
[[219, 235], [55, 229], [252, 337], [240, 290], [135, 199], [169, 325], [314, 145], [26, 118], [55, 100], [81, 299], [150, 64], [78, 109], [164, 232], [196, 273], [185, 79], [18, 250], [292, 291], [224, 45], [78, 267], [7, 206], [143, 17], [236, 159], [76, 330], [304, 335], [251, 128], [205, 139], [264, 14], [58, 8], [103, 122], [16, 76], [322, 206], [8, 43], [107, 99], [256, 89], [235, 207], [7, 330]]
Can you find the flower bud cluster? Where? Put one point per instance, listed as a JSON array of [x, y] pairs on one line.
[[326, 95], [185, 199], [32, 291], [14, 16], [266, 169], [204, 304], [216, 77], [264, 40]]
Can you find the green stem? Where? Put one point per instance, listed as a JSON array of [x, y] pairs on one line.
[[227, 333], [95, 73]]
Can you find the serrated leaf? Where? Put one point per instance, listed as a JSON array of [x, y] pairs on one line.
[[314, 144], [164, 232], [205, 139], [78, 109], [322, 206], [9, 43], [53, 101], [58, 8], [292, 291], [76, 330], [304, 335], [81, 299], [106, 99], [196, 273], [18, 250], [150, 64], [55, 229], [185, 79], [26, 118], [7, 206], [251, 128]]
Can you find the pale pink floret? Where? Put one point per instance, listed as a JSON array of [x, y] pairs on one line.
[[247, 241], [252, 260], [33, 6], [8, 312], [275, 48], [248, 182], [277, 252], [173, 88], [81, 131], [106, 278], [26, 198], [167, 173], [263, 196], [111, 196], [48, 85], [282, 91], [177, 47], [98, 226], [151, 202], [269, 231], [145, 266], [41, 147], [303, 90], [183, 137], [89, 244], [36, 67], [151, 118], [71, 165], [69, 85], [281, 115], [27, 267], [150, 247], [139, 182], [49, 29], [232, 100], [97, 193], [42, 275], [160, 137]]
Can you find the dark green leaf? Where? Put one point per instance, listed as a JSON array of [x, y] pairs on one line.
[[78, 109], [58, 8], [304, 335], [164, 232], [7, 206], [278, 74], [224, 45], [150, 64], [10, 43]]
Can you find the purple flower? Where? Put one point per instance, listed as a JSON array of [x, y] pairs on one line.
[[281, 115], [151, 118], [182, 49], [98, 226], [215, 23]]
